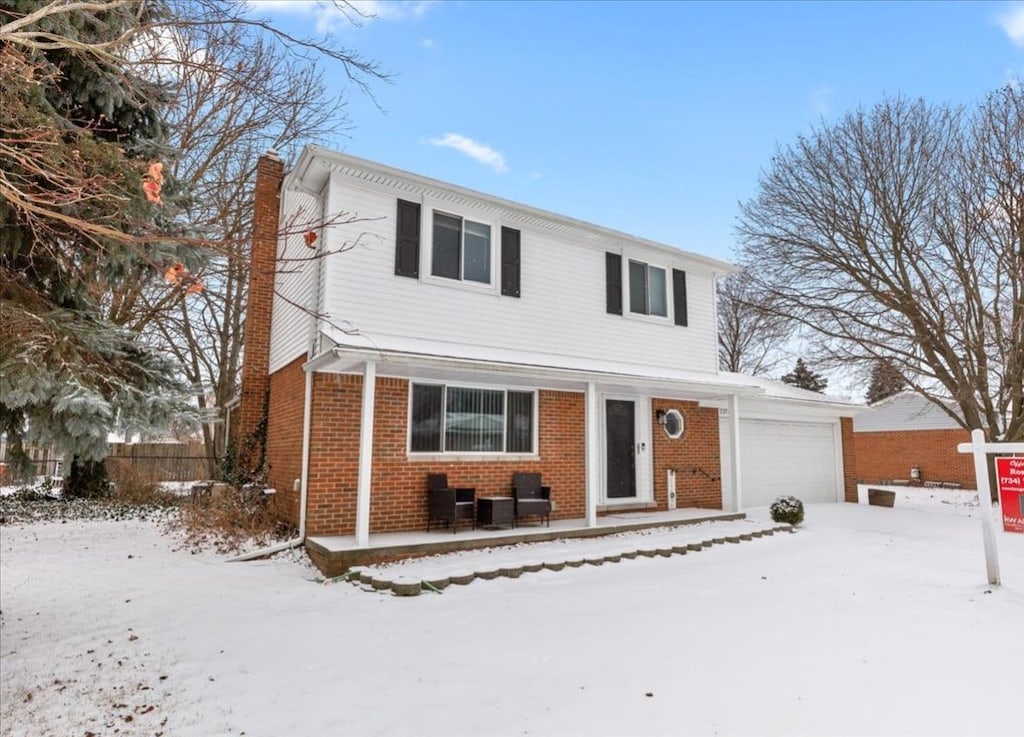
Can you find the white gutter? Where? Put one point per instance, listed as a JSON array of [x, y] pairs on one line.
[[307, 412]]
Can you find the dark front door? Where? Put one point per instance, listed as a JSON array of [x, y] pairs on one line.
[[620, 429]]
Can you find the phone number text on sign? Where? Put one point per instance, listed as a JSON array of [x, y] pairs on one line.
[[1010, 478]]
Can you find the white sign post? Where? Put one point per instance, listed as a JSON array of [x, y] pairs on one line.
[[981, 449]]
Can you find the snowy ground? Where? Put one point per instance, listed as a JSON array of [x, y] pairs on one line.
[[867, 621]]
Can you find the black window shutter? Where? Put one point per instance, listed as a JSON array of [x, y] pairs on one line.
[[510, 262], [679, 296], [613, 278], [407, 240]]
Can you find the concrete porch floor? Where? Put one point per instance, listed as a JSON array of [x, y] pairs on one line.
[[336, 554]]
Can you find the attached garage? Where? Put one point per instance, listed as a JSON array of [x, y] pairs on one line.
[[786, 448], [794, 458]]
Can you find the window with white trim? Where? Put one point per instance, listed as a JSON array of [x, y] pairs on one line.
[[461, 249], [455, 419], [648, 293]]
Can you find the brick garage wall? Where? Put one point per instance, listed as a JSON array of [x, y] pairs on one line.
[[849, 459], [398, 487], [284, 437], [890, 455], [695, 457]]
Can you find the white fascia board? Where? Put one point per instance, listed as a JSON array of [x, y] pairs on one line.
[[761, 407], [405, 364], [316, 163]]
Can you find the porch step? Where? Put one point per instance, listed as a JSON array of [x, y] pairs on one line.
[[413, 577]]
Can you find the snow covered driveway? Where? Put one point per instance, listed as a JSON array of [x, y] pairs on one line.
[[866, 621]]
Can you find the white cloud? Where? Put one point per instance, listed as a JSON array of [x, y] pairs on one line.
[[427, 43], [328, 15], [477, 151], [393, 9], [1012, 21]]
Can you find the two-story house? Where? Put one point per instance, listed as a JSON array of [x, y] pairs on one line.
[[401, 326]]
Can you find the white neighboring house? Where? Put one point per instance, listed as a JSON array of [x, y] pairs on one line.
[[465, 334]]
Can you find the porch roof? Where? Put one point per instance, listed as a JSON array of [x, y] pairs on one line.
[[417, 358]]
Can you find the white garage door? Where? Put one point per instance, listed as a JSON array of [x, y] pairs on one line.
[[786, 458]]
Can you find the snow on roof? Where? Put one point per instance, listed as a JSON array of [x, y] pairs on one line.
[[391, 351], [780, 390], [906, 410]]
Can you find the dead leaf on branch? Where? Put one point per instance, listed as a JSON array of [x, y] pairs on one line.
[[152, 182]]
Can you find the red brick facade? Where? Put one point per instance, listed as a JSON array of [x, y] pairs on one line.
[[263, 262], [849, 459], [883, 456], [284, 437], [695, 457], [398, 486]]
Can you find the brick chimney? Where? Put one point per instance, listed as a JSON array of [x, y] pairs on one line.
[[262, 265]]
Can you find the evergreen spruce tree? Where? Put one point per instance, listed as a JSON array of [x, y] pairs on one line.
[[79, 129], [885, 381], [804, 378]]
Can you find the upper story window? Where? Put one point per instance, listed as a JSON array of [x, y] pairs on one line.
[[455, 419], [457, 249], [461, 249], [647, 292], [645, 288]]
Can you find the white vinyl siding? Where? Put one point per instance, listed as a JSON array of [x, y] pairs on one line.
[[295, 280], [562, 306]]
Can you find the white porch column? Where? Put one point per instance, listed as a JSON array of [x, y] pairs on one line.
[[365, 455], [593, 454], [735, 494]]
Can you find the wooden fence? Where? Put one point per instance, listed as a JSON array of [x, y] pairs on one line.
[[160, 461]]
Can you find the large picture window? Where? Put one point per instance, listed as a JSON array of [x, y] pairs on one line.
[[647, 290], [454, 419], [461, 249]]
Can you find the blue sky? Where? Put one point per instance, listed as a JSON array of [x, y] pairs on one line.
[[653, 118]]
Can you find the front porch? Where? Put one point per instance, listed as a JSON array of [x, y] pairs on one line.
[[336, 554]]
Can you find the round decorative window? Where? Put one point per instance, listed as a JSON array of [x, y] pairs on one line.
[[672, 421]]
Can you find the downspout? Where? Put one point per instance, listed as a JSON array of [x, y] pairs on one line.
[[307, 408], [307, 412]]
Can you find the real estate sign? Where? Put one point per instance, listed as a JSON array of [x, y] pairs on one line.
[[1010, 477]]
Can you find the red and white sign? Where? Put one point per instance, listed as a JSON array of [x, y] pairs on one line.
[[1010, 480]]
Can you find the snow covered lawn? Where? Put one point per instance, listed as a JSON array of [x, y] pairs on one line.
[[867, 621]]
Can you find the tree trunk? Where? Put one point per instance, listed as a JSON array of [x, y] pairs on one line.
[[86, 480]]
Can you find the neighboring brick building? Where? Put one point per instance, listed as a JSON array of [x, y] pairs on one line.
[[416, 327], [907, 435]]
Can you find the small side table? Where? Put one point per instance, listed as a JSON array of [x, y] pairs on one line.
[[495, 511]]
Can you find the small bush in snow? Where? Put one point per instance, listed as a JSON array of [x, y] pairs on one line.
[[230, 522], [787, 509]]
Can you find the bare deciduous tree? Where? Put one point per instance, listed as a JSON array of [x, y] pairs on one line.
[[240, 89], [750, 332], [225, 85], [898, 234], [220, 124]]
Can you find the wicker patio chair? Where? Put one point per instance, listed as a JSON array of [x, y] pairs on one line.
[[448, 504], [531, 498]]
